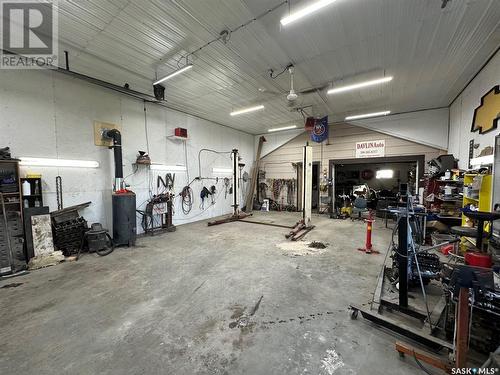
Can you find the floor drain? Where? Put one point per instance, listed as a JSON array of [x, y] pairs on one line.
[[317, 245]]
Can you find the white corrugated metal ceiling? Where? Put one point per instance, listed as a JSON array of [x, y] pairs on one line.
[[431, 52]]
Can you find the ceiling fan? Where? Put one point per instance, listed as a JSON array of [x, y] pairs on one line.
[[294, 100], [292, 95]]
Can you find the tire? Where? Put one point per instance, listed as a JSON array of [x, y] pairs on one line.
[[110, 246]]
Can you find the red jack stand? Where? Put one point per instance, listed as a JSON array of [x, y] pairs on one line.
[[368, 249]]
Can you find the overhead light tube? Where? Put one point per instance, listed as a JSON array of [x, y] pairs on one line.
[[366, 115], [246, 110], [283, 128], [46, 162], [378, 81], [306, 11], [482, 160], [174, 73], [163, 167]]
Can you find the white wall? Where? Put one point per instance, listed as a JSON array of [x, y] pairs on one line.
[[275, 140], [47, 114], [462, 113], [428, 127]]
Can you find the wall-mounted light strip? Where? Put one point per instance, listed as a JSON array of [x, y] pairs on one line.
[[366, 115], [305, 11], [246, 110], [337, 90], [163, 167], [173, 74], [222, 170], [45, 162], [283, 128]]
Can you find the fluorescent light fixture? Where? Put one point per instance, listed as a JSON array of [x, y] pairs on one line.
[[163, 167], [222, 170], [366, 115], [174, 73], [283, 128], [355, 86], [385, 173], [317, 5], [246, 110], [44, 162], [482, 160]]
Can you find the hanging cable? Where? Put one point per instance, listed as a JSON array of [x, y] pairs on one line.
[[225, 35], [186, 199], [208, 150]]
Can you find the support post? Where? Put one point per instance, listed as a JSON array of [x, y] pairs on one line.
[[462, 328], [236, 182], [403, 259], [307, 184]]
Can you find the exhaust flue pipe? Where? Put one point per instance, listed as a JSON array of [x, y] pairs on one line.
[[116, 136]]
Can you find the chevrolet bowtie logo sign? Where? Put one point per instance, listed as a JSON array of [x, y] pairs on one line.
[[486, 116]]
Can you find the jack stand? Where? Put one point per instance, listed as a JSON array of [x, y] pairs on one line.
[[368, 249]]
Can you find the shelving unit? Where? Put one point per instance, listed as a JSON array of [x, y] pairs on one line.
[[483, 200], [12, 256], [34, 199], [9, 170], [448, 205]]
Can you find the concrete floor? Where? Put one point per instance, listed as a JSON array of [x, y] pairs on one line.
[[171, 306]]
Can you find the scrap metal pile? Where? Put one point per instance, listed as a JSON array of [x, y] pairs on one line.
[[68, 229], [430, 267], [485, 312]]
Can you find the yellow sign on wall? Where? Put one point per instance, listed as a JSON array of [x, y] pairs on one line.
[[486, 116]]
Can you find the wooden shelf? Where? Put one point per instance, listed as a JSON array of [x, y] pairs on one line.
[[177, 137], [10, 194]]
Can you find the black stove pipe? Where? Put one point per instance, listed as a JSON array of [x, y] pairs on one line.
[[116, 136]]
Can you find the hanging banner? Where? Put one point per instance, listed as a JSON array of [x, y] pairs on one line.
[[370, 149], [310, 121], [320, 131]]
